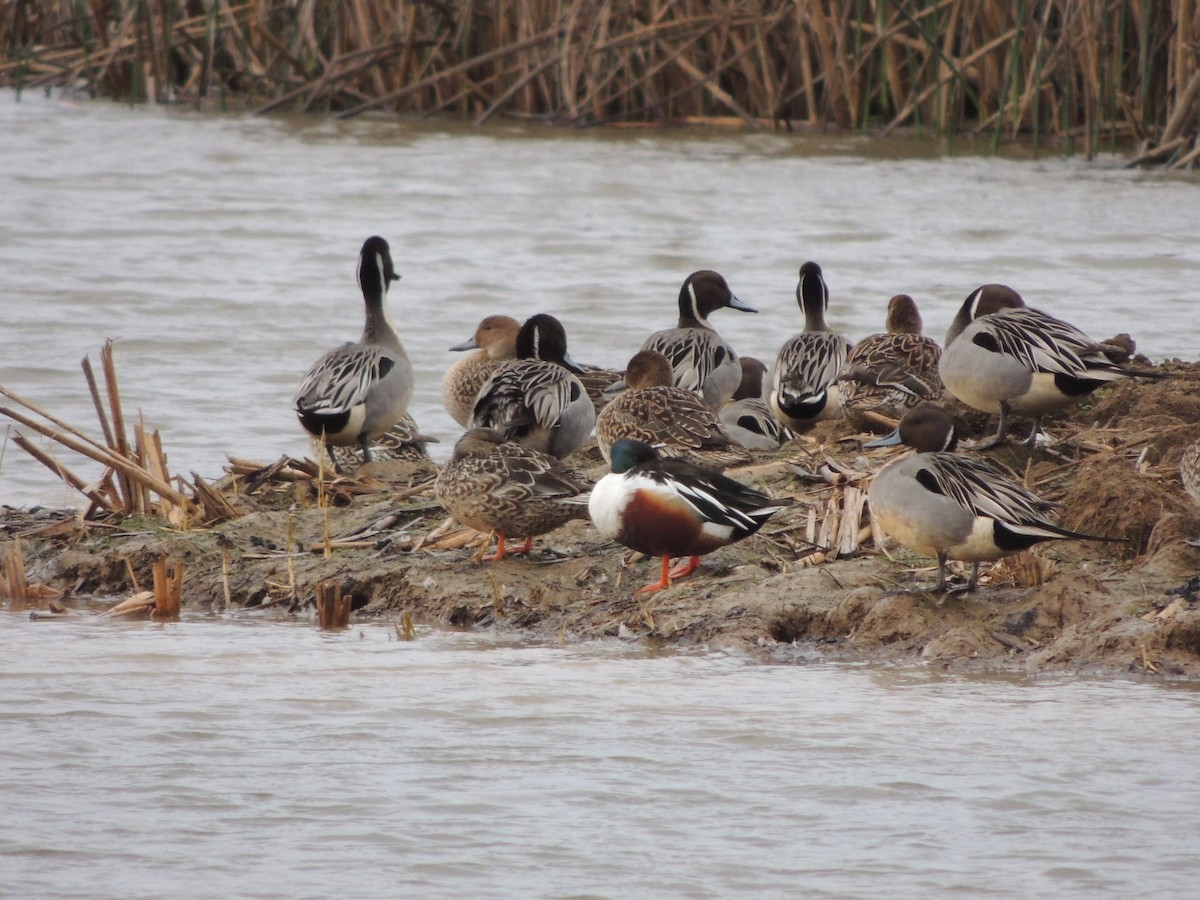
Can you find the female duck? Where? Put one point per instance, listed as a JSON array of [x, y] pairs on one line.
[[536, 399], [355, 393], [804, 379], [701, 360], [1003, 357], [494, 341], [953, 507], [493, 485], [888, 374], [670, 508], [674, 421], [403, 442]]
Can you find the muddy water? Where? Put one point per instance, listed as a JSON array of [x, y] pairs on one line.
[[220, 252], [219, 758]]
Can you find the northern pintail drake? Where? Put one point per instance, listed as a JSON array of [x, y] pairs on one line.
[[354, 394], [536, 399], [954, 507], [888, 374], [403, 441], [494, 485], [747, 418], [1189, 474], [671, 508], [1003, 357], [701, 360], [494, 341], [804, 379], [674, 421]]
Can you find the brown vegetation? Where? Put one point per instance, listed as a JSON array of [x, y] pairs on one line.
[[1090, 73]]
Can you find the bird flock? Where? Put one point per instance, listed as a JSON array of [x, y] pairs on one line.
[[687, 406]]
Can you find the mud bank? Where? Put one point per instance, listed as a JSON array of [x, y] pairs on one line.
[[1062, 607]]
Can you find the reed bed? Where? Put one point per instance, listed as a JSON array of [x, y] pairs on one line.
[[1089, 74]]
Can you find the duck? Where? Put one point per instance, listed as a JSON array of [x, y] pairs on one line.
[[1004, 357], [1189, 474], [403, 442], [353, 394], [888, 374], [747, 418], [948, 506], [495, 485], [671, 508], [804, 379], [536, 399], [676, 422], [700, 359], [494, 341]]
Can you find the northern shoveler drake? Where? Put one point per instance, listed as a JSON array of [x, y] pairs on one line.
[[1003, 357], [804, 379], [701, 360], [1189, 474], [536, 400], [747, 418], [954, 507], [354, 394], [676, 422], [494, 485], [403, 441], [494, 341], [888, 374], [671, 508]]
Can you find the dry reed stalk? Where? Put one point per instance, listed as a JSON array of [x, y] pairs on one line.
[[14, 582], [139, 604], [168, 588], [333, 609]]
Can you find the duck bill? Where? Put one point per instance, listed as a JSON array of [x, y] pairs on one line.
[[615, 388], [471, 344], [890, 440], [735, 303], [570, 365]]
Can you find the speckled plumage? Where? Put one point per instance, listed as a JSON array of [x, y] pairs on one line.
[[403, 441], [494, 341]]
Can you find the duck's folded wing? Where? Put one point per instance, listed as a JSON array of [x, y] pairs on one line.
[[693, 356], [341, 379], [1043, 343], [810, 362], [983, 490]]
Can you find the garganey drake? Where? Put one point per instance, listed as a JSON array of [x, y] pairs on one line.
[[700, 359], [674, 421], [954, 507], [536, 400], [747, 418], [354, 394], [888, 374], [494, 485], [671, 508], [1003, 357], [804, 379], [494, 341]]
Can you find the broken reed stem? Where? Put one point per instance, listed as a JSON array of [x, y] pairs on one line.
[[15, 583], [333, 609], [168, 588]]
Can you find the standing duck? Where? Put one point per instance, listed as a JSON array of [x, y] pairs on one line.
[[954, 507], [494, 341], [1003, 357], [700, 359], [494, 485], [804, 379], [747, 418], [674, 421], [354, 394], [888, 374], [671, 508], [536, 399]]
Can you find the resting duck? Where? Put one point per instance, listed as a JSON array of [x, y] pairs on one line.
[[671, 508], [888, 374], [494, 341], [354, 394], [954, 507], [494, 485], [403, 441], [674, 421], [804, 379], [747, 418], [1189, 474], [536, 399], [700, 359], [1004, 357]]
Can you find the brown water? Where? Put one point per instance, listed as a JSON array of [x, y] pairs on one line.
[[220, 757]]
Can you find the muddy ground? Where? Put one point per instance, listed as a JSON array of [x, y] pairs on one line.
[[1062, 607]]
